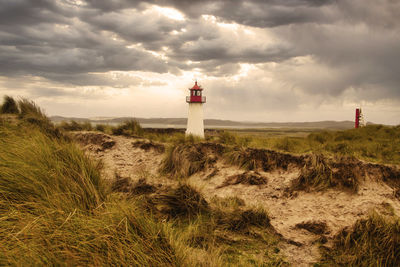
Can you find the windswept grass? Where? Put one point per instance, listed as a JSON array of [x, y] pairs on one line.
[[374, 143], [9, 106], [183, 201], [320, 173], [32, 165], [183, 160], [75, 126], [56, 210], [260, 159], [128, 128], [374, 241]]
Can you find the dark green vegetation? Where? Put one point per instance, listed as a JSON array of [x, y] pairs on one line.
[[55, 209], [374, 241]]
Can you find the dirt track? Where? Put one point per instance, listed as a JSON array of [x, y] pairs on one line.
[[338, 209]]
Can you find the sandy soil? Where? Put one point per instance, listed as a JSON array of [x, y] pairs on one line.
[[336, 208]]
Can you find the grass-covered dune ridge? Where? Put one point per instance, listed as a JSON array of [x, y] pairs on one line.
[[55, 208], [374, 241]]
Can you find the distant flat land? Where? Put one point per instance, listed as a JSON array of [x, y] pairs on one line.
[[273, 127]]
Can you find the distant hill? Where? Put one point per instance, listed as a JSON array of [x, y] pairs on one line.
[[212, 123]]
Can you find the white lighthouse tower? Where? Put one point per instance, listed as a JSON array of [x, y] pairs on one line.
[[195, 124]]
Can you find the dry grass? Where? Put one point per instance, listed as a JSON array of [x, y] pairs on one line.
[[246, 178], [149, 145], [9, 106], [183, 160], [183, 202], [261, 159], [320, 173], [128, 128], [374, 241], [315, 227]]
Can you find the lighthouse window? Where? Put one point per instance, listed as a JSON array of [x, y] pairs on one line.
[[198, 93]]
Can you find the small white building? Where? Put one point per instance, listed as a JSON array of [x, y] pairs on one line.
[[195, 123]]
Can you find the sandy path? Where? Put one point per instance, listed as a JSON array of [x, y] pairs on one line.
[[336, 208]]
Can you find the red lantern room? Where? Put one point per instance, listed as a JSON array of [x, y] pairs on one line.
[[196, 95]]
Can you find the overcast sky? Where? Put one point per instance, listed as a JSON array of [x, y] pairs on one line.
[[258, 60]]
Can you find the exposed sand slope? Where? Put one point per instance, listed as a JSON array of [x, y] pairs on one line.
[[336, 208]]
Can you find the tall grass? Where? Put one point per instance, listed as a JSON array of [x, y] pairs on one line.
[[374, 241], [75, 126], [56, 210], [224, 228], [320, 173], [128, 128], [183, 160], [375, 143], [9, 106], [33, 165]]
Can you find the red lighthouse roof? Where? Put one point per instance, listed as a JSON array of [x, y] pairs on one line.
[[196, 87]]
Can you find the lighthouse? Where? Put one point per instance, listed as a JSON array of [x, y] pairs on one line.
[[195, 124], [359, 122]]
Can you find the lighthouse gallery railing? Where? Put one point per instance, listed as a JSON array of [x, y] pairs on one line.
[[195, 99]]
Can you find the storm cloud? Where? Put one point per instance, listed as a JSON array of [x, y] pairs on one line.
[[268, 57]]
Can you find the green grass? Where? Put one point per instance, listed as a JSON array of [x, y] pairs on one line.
[[374, 143], [374, 241]]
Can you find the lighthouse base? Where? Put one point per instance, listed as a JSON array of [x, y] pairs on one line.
[[195, 124]]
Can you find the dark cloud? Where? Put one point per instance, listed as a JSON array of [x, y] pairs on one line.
[[330, 49]]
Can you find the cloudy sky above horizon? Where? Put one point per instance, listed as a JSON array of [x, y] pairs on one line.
[[258, 60]]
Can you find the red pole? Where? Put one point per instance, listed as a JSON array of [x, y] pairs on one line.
[[357, 118]]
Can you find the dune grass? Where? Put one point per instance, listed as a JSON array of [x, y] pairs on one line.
[[9, 106], [184, 159], [374, 143], [374, 241], [55, 209], [242, 236], [75, 126], [320, 173]]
